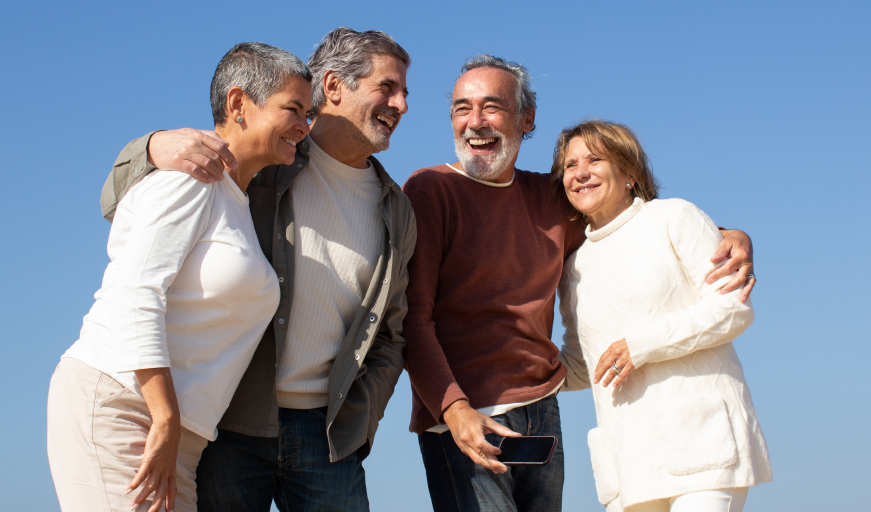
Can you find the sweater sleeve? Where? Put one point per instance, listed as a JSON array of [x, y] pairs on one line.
[[170, 212], [715, 318], [571, 356], [425, 360]]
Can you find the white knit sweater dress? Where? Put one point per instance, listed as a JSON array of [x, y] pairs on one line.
[[684, 420]]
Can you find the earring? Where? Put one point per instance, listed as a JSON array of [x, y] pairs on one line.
[[628, 185], [239, 119]]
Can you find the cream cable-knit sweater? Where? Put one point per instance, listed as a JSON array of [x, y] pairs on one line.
[[684, 420], [339, 232]]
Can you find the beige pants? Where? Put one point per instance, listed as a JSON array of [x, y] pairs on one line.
[[721, 500], [96, 437]]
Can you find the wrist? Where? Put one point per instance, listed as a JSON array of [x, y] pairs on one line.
[[455, 408]]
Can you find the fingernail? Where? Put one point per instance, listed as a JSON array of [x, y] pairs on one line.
[[128, 491]]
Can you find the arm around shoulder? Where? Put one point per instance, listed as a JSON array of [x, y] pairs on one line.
[[130, 167]]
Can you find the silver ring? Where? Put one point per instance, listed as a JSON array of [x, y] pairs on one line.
[[615, 368], [751, 275]]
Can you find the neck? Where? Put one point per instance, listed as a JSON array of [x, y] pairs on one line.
[[248, 164], [335, 136], [601, 219]]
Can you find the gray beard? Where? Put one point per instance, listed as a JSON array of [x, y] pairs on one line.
[[490, 167]]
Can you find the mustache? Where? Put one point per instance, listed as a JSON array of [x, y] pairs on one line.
[[483, 133], [388, 111]]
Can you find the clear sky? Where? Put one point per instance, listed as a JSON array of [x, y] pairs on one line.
[[758, 112]]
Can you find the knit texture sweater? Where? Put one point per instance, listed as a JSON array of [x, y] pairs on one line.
[[187, 287], [338, 237], [684, 420], [482, 290]]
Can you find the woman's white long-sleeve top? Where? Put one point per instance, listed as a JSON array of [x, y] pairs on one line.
[[187, 287], [684, 420]]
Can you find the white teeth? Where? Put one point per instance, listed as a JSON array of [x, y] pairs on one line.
[[386, 121], [292, 143], [481, 142]]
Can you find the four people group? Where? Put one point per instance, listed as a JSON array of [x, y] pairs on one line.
[[214, 374]]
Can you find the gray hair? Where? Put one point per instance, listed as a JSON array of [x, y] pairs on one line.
[[525, 94], [348, 54], [259, 69]]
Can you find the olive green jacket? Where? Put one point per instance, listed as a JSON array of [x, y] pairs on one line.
[[369, 361]]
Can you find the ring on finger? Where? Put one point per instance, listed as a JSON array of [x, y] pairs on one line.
[[751, 275], [616, 369]]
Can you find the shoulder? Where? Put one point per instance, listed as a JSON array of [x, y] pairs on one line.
[[674, 208], [533, 179], [683, 218], [169, 185], [427, 177]]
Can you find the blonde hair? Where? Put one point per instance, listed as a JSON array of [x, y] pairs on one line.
[[610, 141]]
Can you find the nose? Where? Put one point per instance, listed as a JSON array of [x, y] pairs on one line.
[[302, 126], [476, 119], [398, 102]]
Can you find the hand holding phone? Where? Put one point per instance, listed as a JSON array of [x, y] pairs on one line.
[[527, 450]]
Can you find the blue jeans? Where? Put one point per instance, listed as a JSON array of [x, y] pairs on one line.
[[457, 484], [240, 473]]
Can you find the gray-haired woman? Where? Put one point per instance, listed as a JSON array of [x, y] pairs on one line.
[[185, 299]]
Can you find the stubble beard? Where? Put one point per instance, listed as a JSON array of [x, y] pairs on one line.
[[371, 133], [486, 167]]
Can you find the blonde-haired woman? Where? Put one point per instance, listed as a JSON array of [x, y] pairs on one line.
[[677, 431]]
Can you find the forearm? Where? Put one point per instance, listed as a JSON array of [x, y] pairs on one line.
[[159, 393], [714, 320]]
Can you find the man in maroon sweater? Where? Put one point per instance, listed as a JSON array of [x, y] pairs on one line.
[[490, 249]]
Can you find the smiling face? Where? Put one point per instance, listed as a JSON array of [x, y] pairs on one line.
[[273, 130], [593, 185], [487, 126], [378, 103]]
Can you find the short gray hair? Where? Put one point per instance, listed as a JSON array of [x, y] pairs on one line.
[[525, 94], [348, 54], [259, 69]]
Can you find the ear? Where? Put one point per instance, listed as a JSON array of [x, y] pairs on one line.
[[235, 103], [528, 122], [333, 87]]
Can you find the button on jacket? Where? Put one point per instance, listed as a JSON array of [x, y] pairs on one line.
[[369, 361]]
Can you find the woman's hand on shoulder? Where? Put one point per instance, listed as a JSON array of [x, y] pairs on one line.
[[617, 354]]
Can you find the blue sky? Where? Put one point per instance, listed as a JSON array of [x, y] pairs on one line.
[[755, 111]]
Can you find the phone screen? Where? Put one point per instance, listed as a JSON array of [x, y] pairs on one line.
[[527, 450]]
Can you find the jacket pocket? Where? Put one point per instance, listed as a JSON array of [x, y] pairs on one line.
[[695, 434], [607, 485]]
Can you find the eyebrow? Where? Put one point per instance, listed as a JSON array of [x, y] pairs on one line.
[[492, 99], [296, 104]]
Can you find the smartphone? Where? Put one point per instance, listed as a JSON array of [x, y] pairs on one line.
[[527, 450]]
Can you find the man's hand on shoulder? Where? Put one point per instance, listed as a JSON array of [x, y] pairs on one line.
[[468, 427], [737, 250], [200, 153]]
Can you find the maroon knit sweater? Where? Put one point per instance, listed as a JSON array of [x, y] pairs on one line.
[[481, 291]]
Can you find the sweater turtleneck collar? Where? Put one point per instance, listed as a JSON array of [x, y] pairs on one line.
[[614, 225]]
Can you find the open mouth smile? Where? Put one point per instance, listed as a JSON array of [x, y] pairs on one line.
[[289, 141], [386, 121], [482, 143], [585, 189]]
